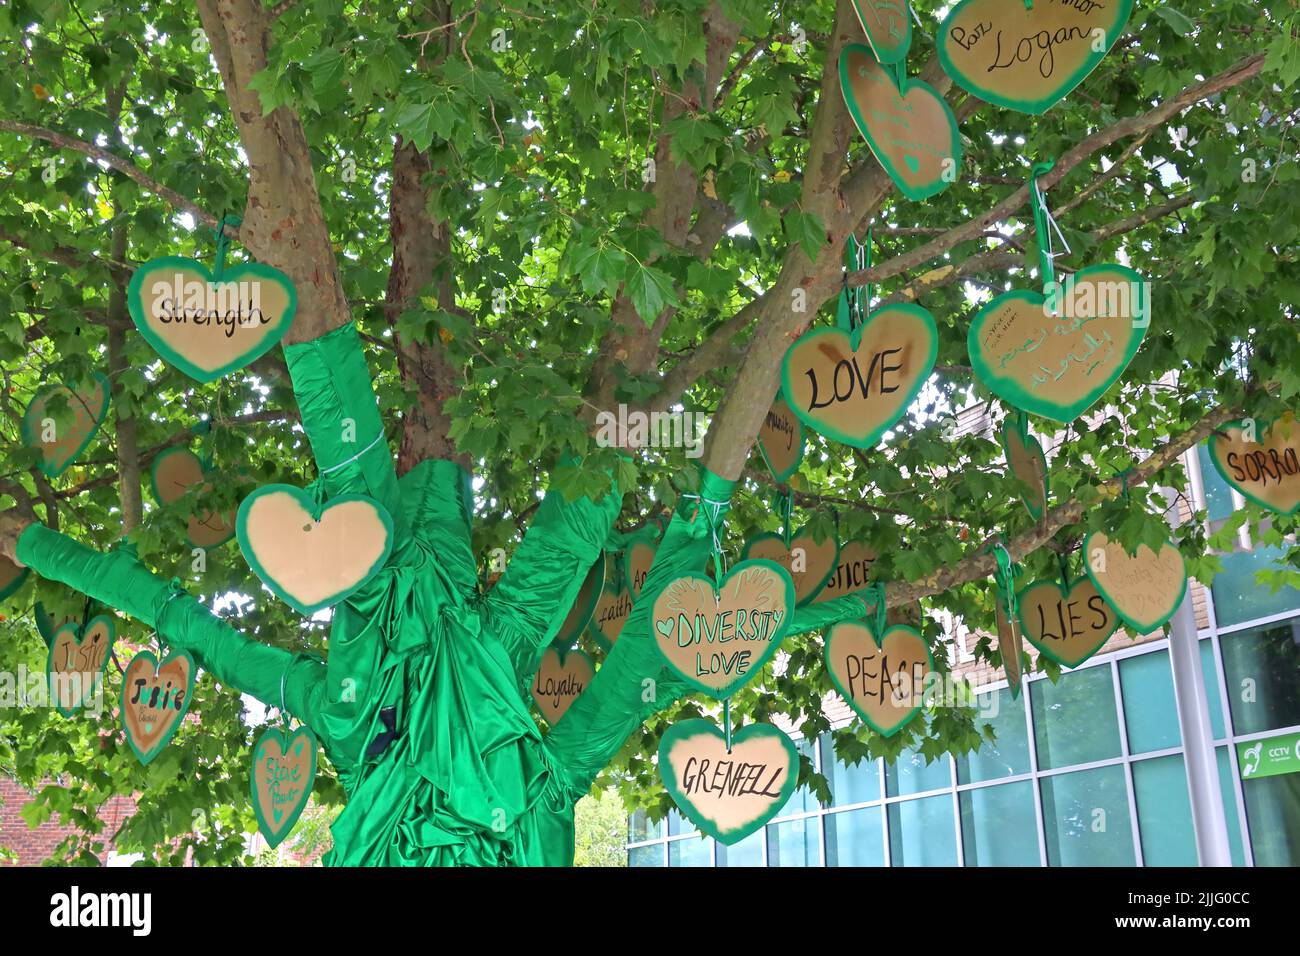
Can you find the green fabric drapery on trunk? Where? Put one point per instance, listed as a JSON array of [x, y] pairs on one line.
[[423, 706]]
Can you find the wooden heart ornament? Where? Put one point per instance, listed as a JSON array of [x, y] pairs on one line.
[[888, 26], [728, 793], [613, 608], [206, 327], [809, 562], [1028, 465], [60, 421], [1066, 624], [1008, 643], [854, 386], [12, 577], [175, 473], [155, 697], [1058, 365], [76, 662], [852, 572], [639, 557], [284, 770], [1262, 463], [718, 639], [883, 681], [584, 605], [909, 128], [313, 557], [1144, 588], [781, 441], [1028, 56], [559, 680]]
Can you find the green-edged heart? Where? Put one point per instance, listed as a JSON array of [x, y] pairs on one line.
[[174, 473], [1261, 460], [909, 127], [70, 430], [883, 681], [1066, 625], [1028, 465], [1027, 56], [1059, 365], [155, 698], [76, 662], [1144, 588], [717, 639], [205, 327], [888, 26], [284, 770], [728, 793], [561, 676], [819, 559], [781, 440], [584, 605], [313, 558]]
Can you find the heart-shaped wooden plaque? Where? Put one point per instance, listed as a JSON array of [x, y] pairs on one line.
[[1028, 465], [852, 572], [76, 662], [884, 682], [63, 434], [559, 680], [810, 563], [888, 26], [1145, 588], [1066, 624], [1262, 463], [155, 697], [284, 770], [781, 441], [175, 473]]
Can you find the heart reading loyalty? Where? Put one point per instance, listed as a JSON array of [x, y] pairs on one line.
[[746, 626]]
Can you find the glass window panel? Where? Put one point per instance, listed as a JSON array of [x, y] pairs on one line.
[[1273, 816], [691, 851], [849, 785], [1218, 496], [652, 855], [1075, 719], [854, 838], [1164, 812], [793, 843], [1008, 754], [1210, 673], [802, 800], [1227, 787], [678, 824], [998, 825], [748, 852], [1261, 667], [1237, 596], [640, 828], [911, 773], [921, 832], [1150, 713], [1086, 819]]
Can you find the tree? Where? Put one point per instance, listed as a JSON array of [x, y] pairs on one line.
[[504, 220]]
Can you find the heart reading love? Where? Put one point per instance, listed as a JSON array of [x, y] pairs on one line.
[[155, 697], [728, 792], [284, 770], [854, 386], [883, 681], [717, 639], [313, 558], [209, 327]]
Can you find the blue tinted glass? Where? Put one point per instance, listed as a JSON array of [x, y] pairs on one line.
[[1086, 818], [1008, 754], [692, 851], [911, 773], [849, 785], [1238, 598], [998, 825], [1074, 719], [1150, 714], [855, 838], [793, 843], [921, 832], [640, 829], [1164, 812], [748, 852], [678, 824], [1261, 667], [1218, 496], [1210, 674], [646, 855], [1273, 816]]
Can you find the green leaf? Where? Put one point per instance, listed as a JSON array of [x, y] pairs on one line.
[[805, 230], [651, 291]]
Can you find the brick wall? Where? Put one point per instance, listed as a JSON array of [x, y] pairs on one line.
[[34, 846]]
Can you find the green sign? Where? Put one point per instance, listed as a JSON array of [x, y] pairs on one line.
[[1269, 757]]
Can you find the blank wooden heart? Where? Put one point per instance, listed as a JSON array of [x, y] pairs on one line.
[[1058, 366], [63, 435], [284, 770], [313, 561], [76, 662], [1144, 588], [11, 577], [559, 680], [780, 440], [718, 639], [175, 473], [728, 795], [1262, 463], [888, 27], [853, 387], [584, 605], [1068, 625], [208, 328], [909, 128], [1027, 464], [883, 682], [852, 572], [816, 559], [155, 697], [1027, 56]]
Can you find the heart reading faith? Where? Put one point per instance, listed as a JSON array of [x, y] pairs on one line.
[[1028, 465], [63, 434], [174, 474], [76, 662], [853, 387], [312, 561], [1057, 363], [910, 129], [780, 440], [1145, 588], [1028, 56], [1068, 625], [584, 605], [883, 682], [888, 27], [284, 771], [205, 327], [559, 680], [612, 609], [810, 563], [11, 577], [728, 793], [155, 698], [852, 572], [717, 639], [1263, 463], [1008, 643]]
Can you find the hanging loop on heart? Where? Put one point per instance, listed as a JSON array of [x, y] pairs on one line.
[[1044, 225], [223, 243]]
